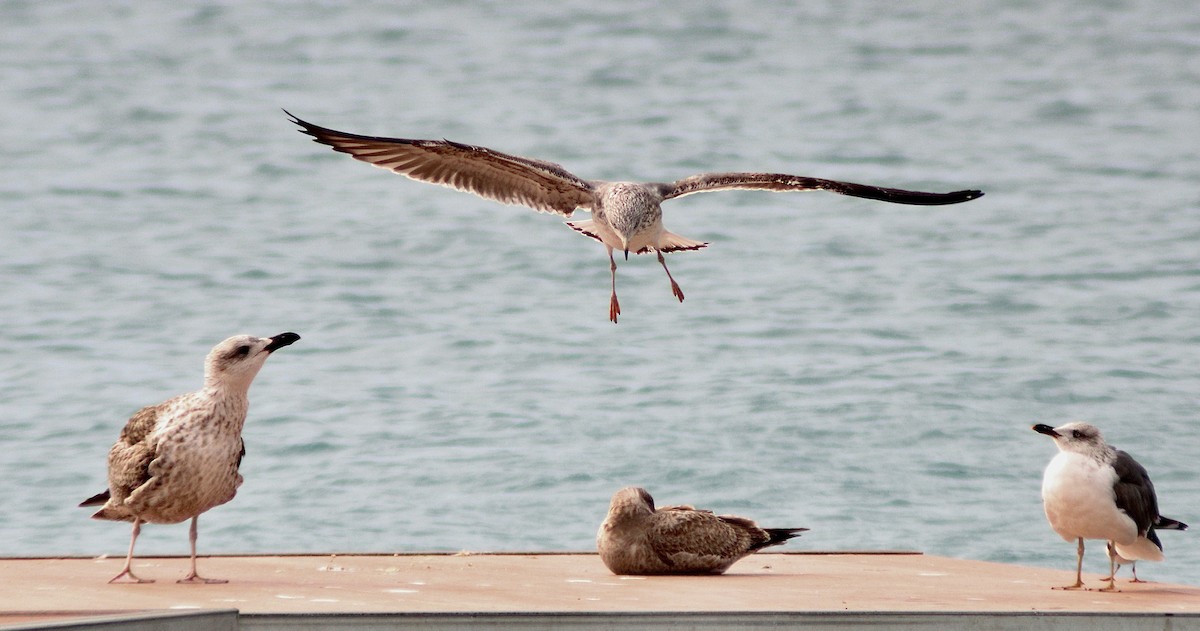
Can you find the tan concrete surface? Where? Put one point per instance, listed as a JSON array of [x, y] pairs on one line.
[[39, 589]]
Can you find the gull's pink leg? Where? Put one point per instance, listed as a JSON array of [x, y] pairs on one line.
[[1112, 574], [674, 285], [192, 576], [1132, 567], [1078, 570], [128, 571], [614, 307], [1111, 551]]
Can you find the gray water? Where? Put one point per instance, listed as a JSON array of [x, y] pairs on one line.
[[867, 370]]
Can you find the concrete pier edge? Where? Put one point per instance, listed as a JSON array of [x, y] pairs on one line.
[[551, 590]]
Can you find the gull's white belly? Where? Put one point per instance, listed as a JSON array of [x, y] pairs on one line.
[[1077, 494]]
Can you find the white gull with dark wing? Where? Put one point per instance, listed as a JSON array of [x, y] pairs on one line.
[[1092, 491]]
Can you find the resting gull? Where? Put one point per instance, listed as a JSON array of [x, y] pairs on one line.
[[637, 539], [626, 216], [177, 459], [1093, 491]]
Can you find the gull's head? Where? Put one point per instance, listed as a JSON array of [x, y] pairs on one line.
[[234, 362], [622, 233], [632, 212], [631, 502], [1077, 437]]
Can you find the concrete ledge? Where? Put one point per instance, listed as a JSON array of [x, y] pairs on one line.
[[828, 621], [226, 620], [540, 590]]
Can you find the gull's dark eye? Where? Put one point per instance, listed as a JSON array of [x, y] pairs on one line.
[[1076, 433], [240, 351]]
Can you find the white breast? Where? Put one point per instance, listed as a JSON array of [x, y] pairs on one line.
[[1077, 494]]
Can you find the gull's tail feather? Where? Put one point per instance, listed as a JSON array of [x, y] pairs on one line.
[[585, 227], [671, 242]]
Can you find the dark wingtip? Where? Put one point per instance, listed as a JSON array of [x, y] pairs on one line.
[[97, 499], [308, 128], [943, 199], [780, 535], [294, 119], [901, 196], [1166, 523]]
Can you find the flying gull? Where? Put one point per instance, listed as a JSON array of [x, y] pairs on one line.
[[177, 459], [1093, 491], [637, 539], [626, 216]]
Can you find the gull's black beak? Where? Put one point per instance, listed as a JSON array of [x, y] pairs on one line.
[[281, 340], [626, 255], [1042, 428]]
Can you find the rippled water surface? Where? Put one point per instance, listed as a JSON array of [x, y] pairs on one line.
[[864, 369]]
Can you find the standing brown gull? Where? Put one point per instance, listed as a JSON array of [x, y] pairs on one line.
[[637, 539], [626, 216], [177, 459], [1093, 491]]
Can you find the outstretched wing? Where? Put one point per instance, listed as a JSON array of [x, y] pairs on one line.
[[543, 186], [781, 182]]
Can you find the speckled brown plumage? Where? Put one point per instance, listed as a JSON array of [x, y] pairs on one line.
[[626, 216], [176, 460], [635, 538]]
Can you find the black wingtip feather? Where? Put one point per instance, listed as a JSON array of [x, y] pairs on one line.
[[96, 500], [1166, 523], [936, 199], [898, 195], [780, 535]]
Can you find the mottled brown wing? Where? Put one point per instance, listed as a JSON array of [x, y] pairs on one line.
[[748, 531], [781, 182], [680, 532], [129, 459], [139, 426], [509, 179], [1134, 492], [128, 469]]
